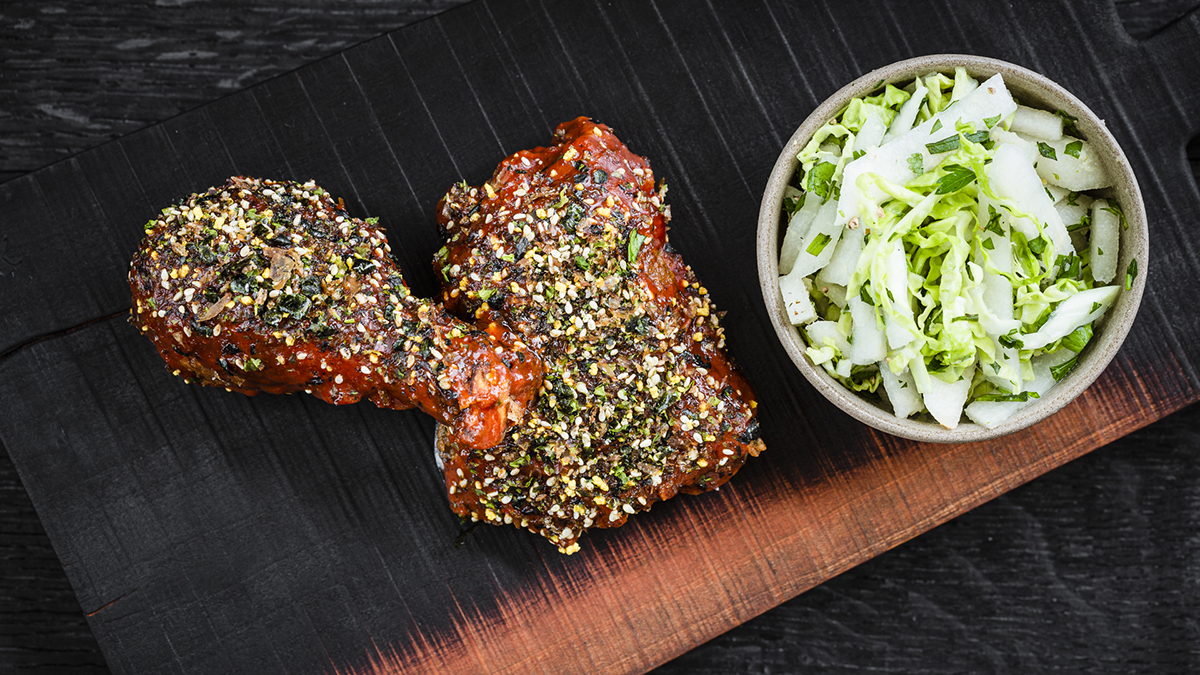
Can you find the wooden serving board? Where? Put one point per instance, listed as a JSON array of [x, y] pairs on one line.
[[209, 532]]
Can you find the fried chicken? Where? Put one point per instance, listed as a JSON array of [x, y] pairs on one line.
[[567, 247], [271, 286]]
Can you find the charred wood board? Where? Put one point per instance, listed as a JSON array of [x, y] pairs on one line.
[[209, 532]]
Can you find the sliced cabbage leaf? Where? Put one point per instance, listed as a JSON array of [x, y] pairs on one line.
[[901, 391], [1073, 312], [945, 400], [1037, 123], [869, 344], [1105, 240], [1074, 165], [797, 228], [796, 299]]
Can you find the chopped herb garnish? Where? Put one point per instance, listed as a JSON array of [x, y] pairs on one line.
[[977, 136], [991, 121], [945, 145], [936, 125], [993, 224], [1084, 221], [1074, 148], [1008, 398], [635, 244], [572, 217], [1131, 274], [619, 473], [1078, 338], [272, 316], [916, 163], [1068, 265], [1046, 151], [362, 265], [866, 297], [1061, 370], [1116, 211], [310, 286], [951, 142], [295, 305], [1010, 340], [1068, 122], [957, 177], [485, 293], [819, 179], [818, 244], [793, 204]]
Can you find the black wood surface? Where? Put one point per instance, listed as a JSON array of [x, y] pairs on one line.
[[875, 617]]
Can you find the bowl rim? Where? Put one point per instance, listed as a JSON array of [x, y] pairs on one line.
[[1115, 325]]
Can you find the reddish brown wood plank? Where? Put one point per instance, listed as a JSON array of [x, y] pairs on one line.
[[783, 544]]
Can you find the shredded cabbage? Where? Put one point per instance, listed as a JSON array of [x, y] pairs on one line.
[[937, 258]]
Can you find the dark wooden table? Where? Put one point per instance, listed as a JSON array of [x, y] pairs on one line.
[[1093, 567]]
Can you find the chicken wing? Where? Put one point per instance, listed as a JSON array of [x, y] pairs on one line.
[[567, 246]]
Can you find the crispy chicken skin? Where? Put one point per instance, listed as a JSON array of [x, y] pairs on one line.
[[567, 246], [263, 285]]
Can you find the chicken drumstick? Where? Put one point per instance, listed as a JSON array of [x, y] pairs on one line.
[[263, 285]]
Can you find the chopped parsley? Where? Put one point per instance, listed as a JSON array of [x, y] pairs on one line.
[[957, 177], [1063, 369], [818, 244], [1008, 398]]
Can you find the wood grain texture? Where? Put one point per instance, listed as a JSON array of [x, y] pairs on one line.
[[854, 487], [41, 625], [117, 67]]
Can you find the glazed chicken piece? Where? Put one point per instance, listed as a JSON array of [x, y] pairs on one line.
[[567, 246], [263, 285]]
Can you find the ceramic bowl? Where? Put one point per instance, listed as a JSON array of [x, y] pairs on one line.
[[1030, 89]]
